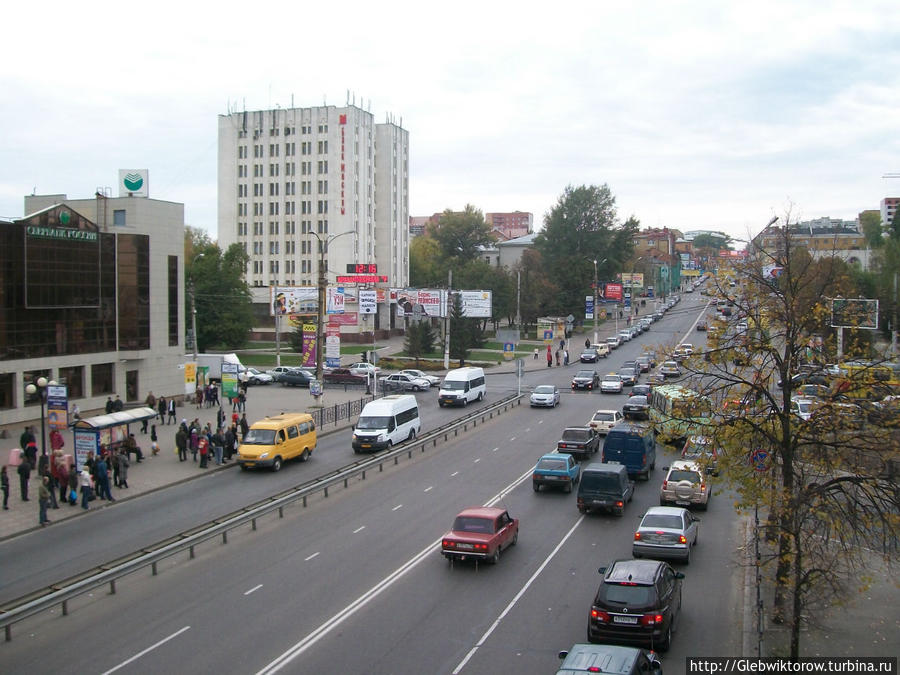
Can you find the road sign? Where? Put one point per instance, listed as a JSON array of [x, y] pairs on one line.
[[508, 350], [759, 459], [520, 367]]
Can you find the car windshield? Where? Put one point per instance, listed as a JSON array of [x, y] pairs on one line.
[[670, 364], [680, 474], [612, 339], [470, 524], [372, 423], [589, 374], [450, 385], [604, 417], [589, 352], [576, 434], [626, 372], [543, 389], [660, 520], [260, 437], [552, 464], [803, 406]]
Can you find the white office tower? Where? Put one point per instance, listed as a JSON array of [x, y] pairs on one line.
[[284, 173]]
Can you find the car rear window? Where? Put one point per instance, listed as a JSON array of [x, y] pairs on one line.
[[680, 474], [658, 520], [604, 417], [470, 524], [576, 434], [552, 465], [622, 594], [600, 481]]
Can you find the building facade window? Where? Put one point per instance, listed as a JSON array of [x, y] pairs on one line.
[[173, 300], [133, 265], [73, 378], [102, 379], [119, 217]]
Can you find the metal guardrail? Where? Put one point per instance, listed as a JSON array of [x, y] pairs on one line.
[[62, 592]]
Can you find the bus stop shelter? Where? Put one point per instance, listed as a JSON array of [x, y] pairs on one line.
[[105, 430]]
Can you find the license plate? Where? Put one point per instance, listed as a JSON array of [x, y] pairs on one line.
[[365, 445], [625, 619], [465, 547], [683, 503], [601, 502]]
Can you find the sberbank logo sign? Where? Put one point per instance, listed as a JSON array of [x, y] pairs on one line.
[[60, 233], [133, 181]]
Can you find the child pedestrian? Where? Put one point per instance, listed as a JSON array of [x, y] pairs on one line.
[[535, 353]]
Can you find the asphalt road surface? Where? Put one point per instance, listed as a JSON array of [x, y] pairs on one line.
[[355, 583]]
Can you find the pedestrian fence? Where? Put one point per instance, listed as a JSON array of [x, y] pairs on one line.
[[61, 593], [335, 414]]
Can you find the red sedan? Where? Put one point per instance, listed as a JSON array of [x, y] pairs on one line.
[[480, 533]]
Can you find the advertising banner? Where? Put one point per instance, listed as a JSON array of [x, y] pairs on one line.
[[345, 319], [86, 441], [335, 300], [367, 302], [295, 300], [476, 304], [229, 380], [613, 292], [589, 307], [309, 345], [190, 378], [630, 279], [854, 313], [58, 407], [427, 302], [332, 346]]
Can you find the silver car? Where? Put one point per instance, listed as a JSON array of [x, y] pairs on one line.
[[403, 382], [611, 384], [545, 396], [433, 380], [666, 532]]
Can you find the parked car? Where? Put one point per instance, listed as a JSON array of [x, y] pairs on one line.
[[433, 380], [480, 533], [643, 363], [295, 377], [586, 379], [604, 420], [666, 532], [704, 451], [614, 341], [342, 376], [611, 384], [403, 382], [629, 376], [625, 335], [670, 369], [277, 371], [638, 602], [685, 485], [636, 408], [584, 658], [365, 369], [581, 442], [255, 376], [555, 470], [545, 396]]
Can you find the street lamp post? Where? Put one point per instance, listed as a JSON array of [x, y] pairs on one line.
[[41, 391], [596, 308], [322, 283], [194, 305]]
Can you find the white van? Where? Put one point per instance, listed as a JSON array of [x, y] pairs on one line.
[[385, 422], [461, 386]]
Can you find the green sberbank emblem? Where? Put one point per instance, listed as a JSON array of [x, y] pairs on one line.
[[133, 181], [65, 217]]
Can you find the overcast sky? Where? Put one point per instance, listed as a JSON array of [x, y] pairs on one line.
[[697, 115]]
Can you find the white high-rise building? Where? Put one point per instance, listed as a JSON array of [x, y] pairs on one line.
[[285, 173]]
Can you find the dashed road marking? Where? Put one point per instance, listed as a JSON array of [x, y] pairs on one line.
[[308, 558]]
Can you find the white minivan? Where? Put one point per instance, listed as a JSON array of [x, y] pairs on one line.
[[461, 386], [385, 422]]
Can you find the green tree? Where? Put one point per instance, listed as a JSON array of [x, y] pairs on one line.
[[579, 228], [870, 223], [465, 333], [419, 340], [538, 293], [426, 266], [221, 295], [459, 234]]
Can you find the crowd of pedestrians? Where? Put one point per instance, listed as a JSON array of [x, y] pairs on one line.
[[60, 482]]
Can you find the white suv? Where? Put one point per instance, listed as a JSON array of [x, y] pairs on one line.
[[685, 485]]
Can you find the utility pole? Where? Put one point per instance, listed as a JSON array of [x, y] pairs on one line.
[[194, 306], [447, 321], [519, 298], [596, 309]]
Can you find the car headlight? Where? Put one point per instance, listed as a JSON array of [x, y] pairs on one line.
[[355, 437], [264, 455]]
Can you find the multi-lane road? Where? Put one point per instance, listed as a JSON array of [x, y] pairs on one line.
[[354, 583]]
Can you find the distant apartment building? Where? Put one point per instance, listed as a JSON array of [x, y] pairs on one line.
[[289, 174], [417, 225], [822, 237], [889, 209], [506, 226]]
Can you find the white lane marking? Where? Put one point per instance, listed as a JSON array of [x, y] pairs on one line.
[[512, 439], [477, 460], [495, 449], [150, 648], [255, 588], [540, 421], [512, 603], [310, 557], [455, 473], [428, 489], [399, 506], [376, 590], [359, 529]]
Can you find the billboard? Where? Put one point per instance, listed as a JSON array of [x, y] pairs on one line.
[[293, 300], [368, 301], [427, 302], [134, 183], [854, 313], [630, 279], [476, 304], [613, 292]]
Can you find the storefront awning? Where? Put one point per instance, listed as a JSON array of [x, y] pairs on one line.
[[116, 419]]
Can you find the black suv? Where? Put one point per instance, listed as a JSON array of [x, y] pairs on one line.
[[637, 603]]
